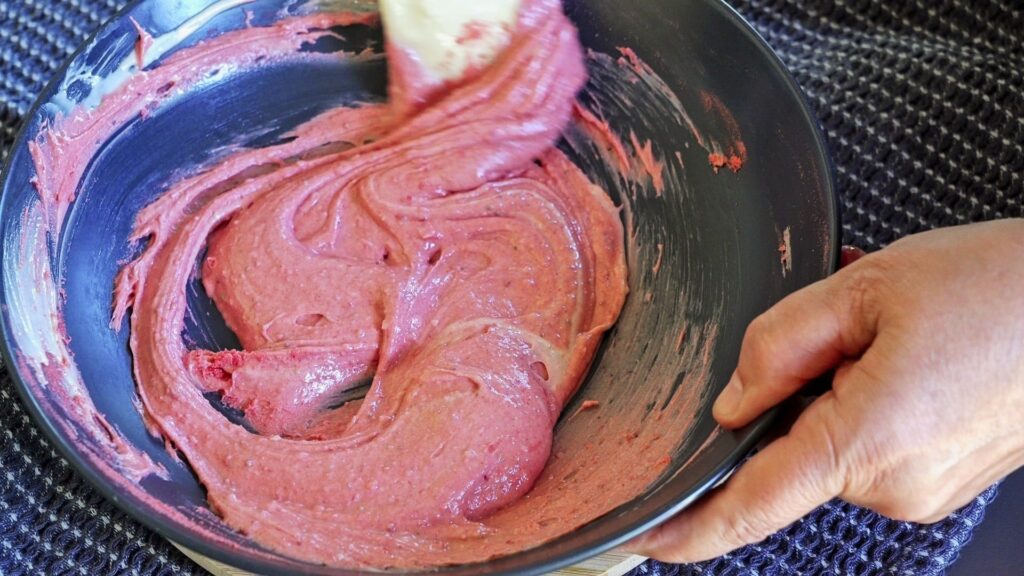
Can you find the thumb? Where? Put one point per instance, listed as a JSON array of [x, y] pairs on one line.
[[788, 479], [799, 339]]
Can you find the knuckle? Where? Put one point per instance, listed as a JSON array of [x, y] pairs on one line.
[[863, 286], [756, 330], [830, 434], [758, 343], [745, 528], [859, 295]]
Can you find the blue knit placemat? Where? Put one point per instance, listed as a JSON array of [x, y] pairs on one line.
[[923, 105]]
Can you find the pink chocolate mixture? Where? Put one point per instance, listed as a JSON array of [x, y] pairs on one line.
[[439, 244]]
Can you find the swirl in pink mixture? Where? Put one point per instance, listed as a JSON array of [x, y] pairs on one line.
[[443, 246]]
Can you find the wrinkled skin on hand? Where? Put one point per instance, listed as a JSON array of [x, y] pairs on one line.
[[927, 404]]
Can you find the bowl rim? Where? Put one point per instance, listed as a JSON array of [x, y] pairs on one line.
[[743, 441]]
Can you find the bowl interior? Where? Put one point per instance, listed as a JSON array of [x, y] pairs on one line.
[[704, 253]]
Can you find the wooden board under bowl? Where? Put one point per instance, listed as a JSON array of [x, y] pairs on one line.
[[608, 564]]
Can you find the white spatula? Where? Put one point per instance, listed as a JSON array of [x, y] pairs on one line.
[[450, 37]]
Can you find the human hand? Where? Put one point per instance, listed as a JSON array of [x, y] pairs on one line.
[[927, 404]]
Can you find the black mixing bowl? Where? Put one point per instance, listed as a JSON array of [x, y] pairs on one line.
[[707, 255]]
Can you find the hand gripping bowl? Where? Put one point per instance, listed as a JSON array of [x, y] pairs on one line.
[[723, 239]]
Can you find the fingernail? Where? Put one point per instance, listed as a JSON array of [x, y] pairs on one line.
[[849, 255], [728, 402]]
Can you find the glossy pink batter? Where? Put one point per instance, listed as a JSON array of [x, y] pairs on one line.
[[441, 245]]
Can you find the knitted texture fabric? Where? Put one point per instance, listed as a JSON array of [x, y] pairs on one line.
[[922, 103]]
